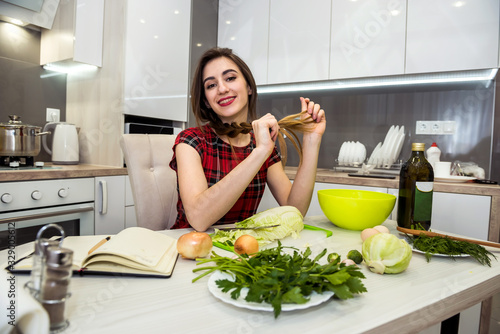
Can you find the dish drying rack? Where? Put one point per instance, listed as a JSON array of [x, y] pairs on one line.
[[383, 160], [364, 168]]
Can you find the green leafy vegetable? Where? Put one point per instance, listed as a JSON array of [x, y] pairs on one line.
[[275, 277], [453, 248], [386, 253], [288, 218], [355, 255]]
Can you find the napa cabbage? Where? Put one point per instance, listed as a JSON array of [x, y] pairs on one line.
[[289, 219]]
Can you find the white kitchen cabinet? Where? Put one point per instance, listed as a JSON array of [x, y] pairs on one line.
[[109, 204], [449, 35], [463, 214], [156, 69], [299, 41], [367, 38], [76, 34], [467, 215], [244, 28]]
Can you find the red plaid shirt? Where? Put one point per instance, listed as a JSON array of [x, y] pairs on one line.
[[218, 160]]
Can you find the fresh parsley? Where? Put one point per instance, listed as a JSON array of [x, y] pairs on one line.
[[275, 277]]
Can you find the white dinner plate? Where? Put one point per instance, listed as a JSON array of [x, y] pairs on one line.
[[314, 298], [437, 254], [373, 157], [454, 178], [341, 157], [391, 147], [401, 140]]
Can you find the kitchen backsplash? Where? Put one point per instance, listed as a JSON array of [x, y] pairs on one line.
[[26, 89], [365, 115]]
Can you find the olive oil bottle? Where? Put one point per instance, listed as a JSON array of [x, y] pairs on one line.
[[416, 183]]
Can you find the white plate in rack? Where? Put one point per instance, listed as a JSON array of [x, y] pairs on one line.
[[342, 153]]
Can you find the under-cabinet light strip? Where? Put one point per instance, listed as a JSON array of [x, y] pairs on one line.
[[470, 76], [69, 68]]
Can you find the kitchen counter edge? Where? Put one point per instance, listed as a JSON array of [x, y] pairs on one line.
[[331, 176], [61, 172]]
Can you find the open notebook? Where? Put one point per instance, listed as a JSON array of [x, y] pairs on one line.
[[134, 251]]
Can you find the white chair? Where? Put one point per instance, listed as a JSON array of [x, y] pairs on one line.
[[154, 183]]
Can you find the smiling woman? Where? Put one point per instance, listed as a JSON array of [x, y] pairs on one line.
[[224, 163]]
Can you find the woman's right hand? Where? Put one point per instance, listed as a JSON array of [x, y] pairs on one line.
[[266, 131]]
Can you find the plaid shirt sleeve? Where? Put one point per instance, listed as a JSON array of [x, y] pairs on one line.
[[218, 160]]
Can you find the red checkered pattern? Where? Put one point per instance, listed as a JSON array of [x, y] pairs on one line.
[[218, 160]]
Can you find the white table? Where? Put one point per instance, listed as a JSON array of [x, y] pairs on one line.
[[423, 295]]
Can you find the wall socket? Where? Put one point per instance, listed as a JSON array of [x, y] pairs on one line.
[[53, 115], [435, 128]]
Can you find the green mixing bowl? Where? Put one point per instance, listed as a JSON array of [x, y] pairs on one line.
[[356, 209]]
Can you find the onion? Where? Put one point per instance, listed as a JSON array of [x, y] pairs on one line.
[[194, 244], [348, 262], [368, 232], [246, 244], [382, 229]]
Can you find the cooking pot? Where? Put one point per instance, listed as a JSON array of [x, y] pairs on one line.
[[18, 139]]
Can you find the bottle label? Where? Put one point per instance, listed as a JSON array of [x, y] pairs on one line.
[[423, 201]]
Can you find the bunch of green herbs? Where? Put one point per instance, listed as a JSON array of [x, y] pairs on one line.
[[453, 248], [275, 277]]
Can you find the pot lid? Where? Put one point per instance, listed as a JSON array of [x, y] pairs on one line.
[[15, 123]]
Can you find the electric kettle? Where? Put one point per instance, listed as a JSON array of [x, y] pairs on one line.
[[65, 149]]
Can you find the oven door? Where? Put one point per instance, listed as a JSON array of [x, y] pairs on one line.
[[20, 227]]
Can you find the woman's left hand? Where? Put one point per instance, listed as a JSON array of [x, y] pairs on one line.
[[317, 114]]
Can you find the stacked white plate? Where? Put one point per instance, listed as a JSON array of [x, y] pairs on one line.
[[386, 153], [352, 154]]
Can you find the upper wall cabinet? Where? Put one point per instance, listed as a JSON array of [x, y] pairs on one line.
[[76, 35], [157, 58], [338, 39], [244, 27], [368, 38], [299, 40], [450, 35]]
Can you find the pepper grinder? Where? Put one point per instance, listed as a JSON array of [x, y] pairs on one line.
[[54, 290]]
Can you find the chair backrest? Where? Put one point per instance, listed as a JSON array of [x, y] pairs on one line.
[[154, 183]]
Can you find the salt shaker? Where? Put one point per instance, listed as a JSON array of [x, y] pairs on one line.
[[39, 255], [54, 290]]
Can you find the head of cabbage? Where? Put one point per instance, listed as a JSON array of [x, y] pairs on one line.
[[288, 218], [386, 253]]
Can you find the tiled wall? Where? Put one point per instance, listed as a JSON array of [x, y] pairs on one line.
[[366, 116], [26, 89]]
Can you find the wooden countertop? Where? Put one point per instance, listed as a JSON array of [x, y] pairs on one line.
[[467, 188], [60, 172], [331, 176]]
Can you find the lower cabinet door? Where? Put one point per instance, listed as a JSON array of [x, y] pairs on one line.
[[109, 204]]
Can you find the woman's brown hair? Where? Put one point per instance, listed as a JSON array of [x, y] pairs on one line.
[[289, 125]]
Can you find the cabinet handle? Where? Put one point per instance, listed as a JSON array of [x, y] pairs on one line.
[[104, 197]]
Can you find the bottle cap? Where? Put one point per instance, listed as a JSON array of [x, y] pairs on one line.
[[434, 145], [417, 146]]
